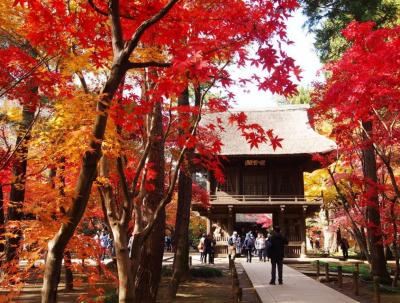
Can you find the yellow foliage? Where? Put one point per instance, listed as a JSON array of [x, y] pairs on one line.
[[317, 183], [13, 113], [9, 16], [148, 54], [103, 180], [76, 63], [325, 128]]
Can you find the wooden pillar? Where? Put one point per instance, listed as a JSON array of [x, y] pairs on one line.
[[231, 220], [208, 184], [237, 182], [208, 222], [282, 220], [303, 231], [275, 218]]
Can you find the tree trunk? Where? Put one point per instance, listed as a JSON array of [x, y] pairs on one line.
[[119, 230], [52, 272], [69, 277], [2, 219], [17, 192], [374, 230], [83, 187], [125, 277], [395, 245], [150, 262], [181, 237]]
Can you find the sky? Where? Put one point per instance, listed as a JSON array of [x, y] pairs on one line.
[[302, 51]]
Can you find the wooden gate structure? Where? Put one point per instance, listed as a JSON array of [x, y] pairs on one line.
[[262, 180]]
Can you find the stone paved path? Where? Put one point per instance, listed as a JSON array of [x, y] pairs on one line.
[[297, 288]]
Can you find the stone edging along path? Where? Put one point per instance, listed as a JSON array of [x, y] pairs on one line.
[[296, 288]]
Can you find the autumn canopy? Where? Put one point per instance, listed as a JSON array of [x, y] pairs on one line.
[[103, 101]]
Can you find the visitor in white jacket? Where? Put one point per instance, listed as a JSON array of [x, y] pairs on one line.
[[260, 246]]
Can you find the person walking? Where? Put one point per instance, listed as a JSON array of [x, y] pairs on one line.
[[276, 252], [249, 246], [208, 248], [344, 245], [311, 243], [104, 244], [232, 245], [260, 246], [239, 245], [200, 247], [213, 243], [317, 245]]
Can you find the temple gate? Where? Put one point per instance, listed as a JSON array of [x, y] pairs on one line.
[[262, 180]]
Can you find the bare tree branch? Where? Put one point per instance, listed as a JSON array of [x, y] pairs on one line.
[[97, 9], [116, 28], [6, 89], [148, 64], [8, 159], [146, 24]]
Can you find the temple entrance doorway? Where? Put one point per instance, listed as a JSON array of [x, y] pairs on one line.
[[256, 223]]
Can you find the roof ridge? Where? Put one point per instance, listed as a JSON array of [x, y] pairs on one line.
[[273, 108]]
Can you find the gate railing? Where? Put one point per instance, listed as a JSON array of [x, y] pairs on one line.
[[224, 198]]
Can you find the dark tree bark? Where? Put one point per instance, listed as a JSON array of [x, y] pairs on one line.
[[17, 191], [149, 270], [122, 51], [180, 266], [374, 230], [181, 238], [119, 229], [69, 277], [87, 175], [2, 220]]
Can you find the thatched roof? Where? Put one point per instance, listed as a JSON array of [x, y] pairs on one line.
[[290, 123]]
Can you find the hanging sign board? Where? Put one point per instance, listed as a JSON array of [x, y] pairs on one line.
[[254, 162]]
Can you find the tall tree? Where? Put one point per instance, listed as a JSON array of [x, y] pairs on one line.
[[17, 192], [181, 235], [327, 18], [121, 63], [130, 34], [359, 99]]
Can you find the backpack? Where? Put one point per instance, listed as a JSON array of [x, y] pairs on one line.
[[249, 243], [230, 241]]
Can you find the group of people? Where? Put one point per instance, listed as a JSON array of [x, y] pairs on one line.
[[250, 246], [343, 243], [106, 244], [206, 248], [315, 244], [270, 247]]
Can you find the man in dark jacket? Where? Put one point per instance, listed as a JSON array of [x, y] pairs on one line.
[[276, 251], [249, 246]]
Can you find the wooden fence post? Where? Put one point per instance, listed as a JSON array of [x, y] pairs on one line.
[[377, 293], [236, 289], [190, 261], [239, 294], [355, 283], [327, 272], [340, 276], [318, 273]]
